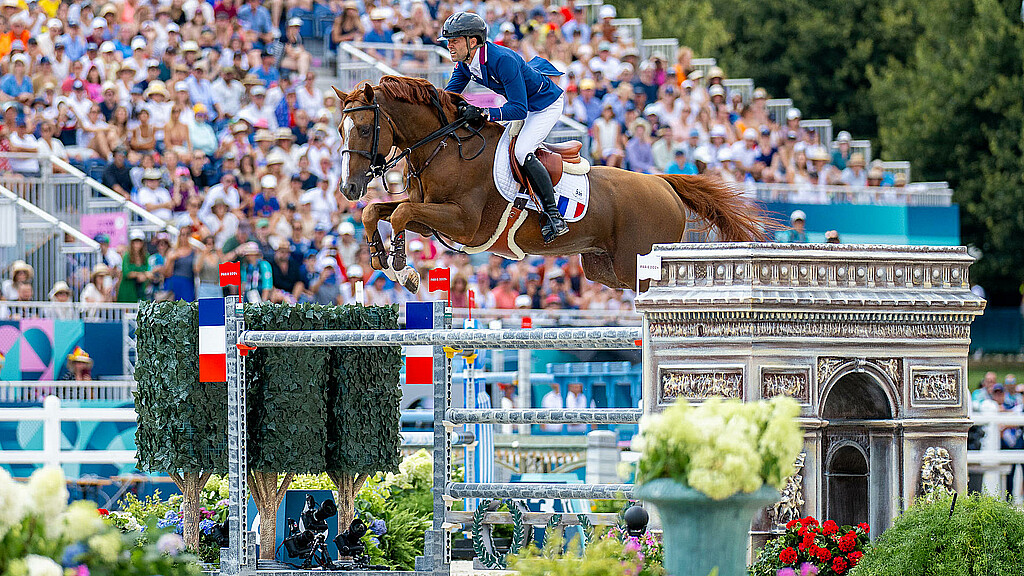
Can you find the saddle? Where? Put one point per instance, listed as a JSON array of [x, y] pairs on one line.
[[553, 156]]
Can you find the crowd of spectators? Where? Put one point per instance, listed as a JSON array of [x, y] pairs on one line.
[[209, 115]]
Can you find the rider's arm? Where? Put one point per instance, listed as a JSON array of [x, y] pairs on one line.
[[510, 74], [459, 79]]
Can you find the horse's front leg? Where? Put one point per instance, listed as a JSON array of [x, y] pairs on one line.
[[449, 219], [372, 215]]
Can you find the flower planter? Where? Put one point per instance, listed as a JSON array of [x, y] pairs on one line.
[[700, 533]]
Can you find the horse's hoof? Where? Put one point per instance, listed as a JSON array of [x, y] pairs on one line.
[[410, 278]]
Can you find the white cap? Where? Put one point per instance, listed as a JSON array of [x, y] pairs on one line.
[[716, 90], [346, 227], [523, 301], [54, 23], [797, 215], [793, 114], [607, 11], [725, 155], [190, 46], [718, 131], [702, 154], [268, 181], [650, 109], [750, 134], [137, 234], [181, 87], [20, 58], [107, 46], [295, 22], [138, 43], [98, 22], [844, 136]]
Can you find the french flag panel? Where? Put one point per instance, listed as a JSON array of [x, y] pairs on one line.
[[212, 348], [570, 208], [419, 360]]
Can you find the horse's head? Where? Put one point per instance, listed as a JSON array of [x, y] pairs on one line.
[[366, 138]]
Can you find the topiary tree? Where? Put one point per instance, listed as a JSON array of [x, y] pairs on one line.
[[287, 412], [182, 424], [981, 535], [364, 406]]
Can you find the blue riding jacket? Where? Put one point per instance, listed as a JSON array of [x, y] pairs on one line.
[[526, 87]]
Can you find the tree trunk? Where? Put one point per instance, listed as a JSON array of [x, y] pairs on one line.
[[348, 487], [191, 485], [268, 496]]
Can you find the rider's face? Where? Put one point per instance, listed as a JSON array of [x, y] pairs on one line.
[[459, 48]]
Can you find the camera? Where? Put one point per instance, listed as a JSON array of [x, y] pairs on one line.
[[307, 538]]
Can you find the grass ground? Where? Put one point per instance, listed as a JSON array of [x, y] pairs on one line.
[[976, 370]]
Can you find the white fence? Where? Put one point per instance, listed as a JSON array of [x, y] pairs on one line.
[[916, 194], [52, 414], [993, 463], [38, 390]]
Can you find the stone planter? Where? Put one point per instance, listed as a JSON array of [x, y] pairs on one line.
[[701, 533]]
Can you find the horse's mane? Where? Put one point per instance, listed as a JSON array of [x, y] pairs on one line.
[[414, 91]]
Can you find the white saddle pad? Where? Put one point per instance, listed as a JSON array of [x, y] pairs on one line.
[[572, 193]]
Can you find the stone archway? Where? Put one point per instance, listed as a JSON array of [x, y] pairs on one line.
[[858, 445]]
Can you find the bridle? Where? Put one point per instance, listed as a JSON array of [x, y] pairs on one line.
[[379, 164]]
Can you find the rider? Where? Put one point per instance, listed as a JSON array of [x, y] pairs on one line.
[[531, 96]]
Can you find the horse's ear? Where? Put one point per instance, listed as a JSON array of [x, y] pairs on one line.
[[701, 167], [342, 96], [368, 92]]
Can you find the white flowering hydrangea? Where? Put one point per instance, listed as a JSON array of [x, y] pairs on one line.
[[12, 502], [80, 521], [47, 493], [107, 546], [720, 447], [42, 566]]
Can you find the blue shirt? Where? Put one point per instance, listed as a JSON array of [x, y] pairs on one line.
[[9, 85], [380, 37], [526, 87], [124, 49], [258, 21], [265, 207], [74, 48], [270, 76], [201, 93], [686, 168]]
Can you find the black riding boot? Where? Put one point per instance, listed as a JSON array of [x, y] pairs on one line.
[[540, 181]]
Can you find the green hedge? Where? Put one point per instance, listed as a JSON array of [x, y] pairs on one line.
[[309, 409]]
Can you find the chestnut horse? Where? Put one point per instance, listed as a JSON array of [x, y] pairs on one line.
[[456, 199]]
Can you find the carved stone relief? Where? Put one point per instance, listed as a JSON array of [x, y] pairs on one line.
[[935, 386], [700, 383], [786, 382]]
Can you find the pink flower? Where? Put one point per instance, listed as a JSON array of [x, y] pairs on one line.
[[632, 544], [82, 570], [786, 572], [808, 569]]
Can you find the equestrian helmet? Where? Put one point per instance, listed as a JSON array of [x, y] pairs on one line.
[[464, 24]]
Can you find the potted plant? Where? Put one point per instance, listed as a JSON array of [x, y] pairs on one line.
[[708, 469], [807, 547]]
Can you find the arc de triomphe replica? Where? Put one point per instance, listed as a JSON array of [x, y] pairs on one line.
[[871, 340]]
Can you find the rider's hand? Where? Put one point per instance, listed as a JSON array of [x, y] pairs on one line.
[[473, 115]]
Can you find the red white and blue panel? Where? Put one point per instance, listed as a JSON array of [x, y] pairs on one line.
[[212, 346], [419, 360], [570, 208]]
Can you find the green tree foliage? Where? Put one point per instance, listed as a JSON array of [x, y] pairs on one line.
[[956, 111], [982, 535]]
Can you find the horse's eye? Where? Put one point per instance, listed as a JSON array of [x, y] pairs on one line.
[[364, 131]]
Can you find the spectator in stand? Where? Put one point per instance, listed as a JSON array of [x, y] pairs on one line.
[[154, 197], [587, 108], [552, 401], [797, 233], [100, 287], [822, 173], [17, 82], [347, 26], [24, 145], [135, 274], [854, 174], [681, 164], [117, 174], [379, 34], [179, 267], [639, 157], [841, 155], [608, 142], [256, 18]]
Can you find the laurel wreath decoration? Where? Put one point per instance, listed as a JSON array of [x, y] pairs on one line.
[[483, 545]]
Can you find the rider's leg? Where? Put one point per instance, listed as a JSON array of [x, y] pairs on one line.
[[535, 129]]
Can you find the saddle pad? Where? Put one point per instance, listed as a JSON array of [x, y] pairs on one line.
[[572, 193]]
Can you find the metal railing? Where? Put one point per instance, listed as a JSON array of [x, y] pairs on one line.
[[630, 30], [856, 147], [897, 167], [704, 65], [744, 86], [779, 107], [54, 193], [822, 129], [916, 194], [140, 217], [37, 391], [665, 48]]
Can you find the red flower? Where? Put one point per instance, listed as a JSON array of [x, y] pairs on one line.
[[809, 521], [839, 565], [792, 524], [855, 557], [847, 544], [103, 511], [823, 554], [829, 528], [788, 556], [864, 526]]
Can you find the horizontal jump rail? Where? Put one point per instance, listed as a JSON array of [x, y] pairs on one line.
[[611, 338], [533, 490], [544, 416]]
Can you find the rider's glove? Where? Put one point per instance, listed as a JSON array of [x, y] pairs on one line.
[[473, 115]]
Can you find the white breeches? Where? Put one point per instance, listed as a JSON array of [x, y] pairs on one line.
[[536, 128]]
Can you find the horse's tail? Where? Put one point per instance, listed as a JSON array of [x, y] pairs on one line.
[[721, 205]]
